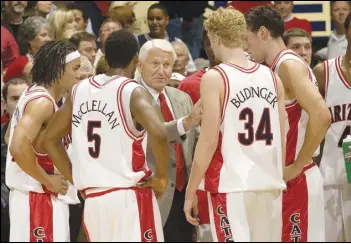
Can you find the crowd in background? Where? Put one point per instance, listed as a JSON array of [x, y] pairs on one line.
[[27, 25]]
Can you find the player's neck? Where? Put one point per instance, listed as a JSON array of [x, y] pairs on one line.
[[120, 72], [234, 56], [55, 92], [274, 47]]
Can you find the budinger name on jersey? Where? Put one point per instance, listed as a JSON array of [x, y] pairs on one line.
[[253, 92], [94, 106]]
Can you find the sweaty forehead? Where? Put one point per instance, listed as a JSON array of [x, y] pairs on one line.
[[299, 40], [157, 53]]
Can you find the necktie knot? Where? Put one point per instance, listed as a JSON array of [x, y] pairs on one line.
[[162, 97]]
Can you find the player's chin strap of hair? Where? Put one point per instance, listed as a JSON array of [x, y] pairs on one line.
[[72, 56]]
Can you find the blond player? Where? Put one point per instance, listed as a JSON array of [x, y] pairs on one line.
[[242, 131], [307, 121]]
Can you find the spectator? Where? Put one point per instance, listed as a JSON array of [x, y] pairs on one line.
[[80, 16], [106, 29], [102, 67], [32, 35], [61, 22], [181, 62], [85, 44], [9, 48], [300, 42], [86, 68], [13, 15], [337, 43], [11, 92], [285, 8], [123, 14], [157, 16], [38, 8], [186, 23]]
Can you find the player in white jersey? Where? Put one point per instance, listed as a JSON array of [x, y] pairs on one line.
[[241, 145], [334, 80], [307, 121], [39, 198], [108, 116]]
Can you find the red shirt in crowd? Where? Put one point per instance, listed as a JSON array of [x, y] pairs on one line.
[[244, 6], [298, 23], [191, 86], [16, 68], [9, 48]]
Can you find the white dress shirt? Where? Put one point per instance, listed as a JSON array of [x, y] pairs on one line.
[[155, 96], [337, 46]]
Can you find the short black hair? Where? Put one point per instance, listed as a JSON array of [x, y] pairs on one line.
[[13, 81], [80, 7], [158, 6], [347, 21], [268, 17], [120, 48], [50, 61], [82, 36]]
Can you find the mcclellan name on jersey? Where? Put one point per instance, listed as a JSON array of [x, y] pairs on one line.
[[95, 106], [252, 92]]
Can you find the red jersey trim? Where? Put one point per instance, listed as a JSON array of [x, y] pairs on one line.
[[98, 85], [38, 89], [248, 71], [341, 75], [326, 77], [226, 90], [121, 112], [274, 82], [276, 59]]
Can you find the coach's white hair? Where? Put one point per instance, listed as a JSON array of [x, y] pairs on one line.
[[144, 50], [156, 43]]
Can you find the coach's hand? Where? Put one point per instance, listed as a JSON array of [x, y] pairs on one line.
[[58, 184], [291, 172], [190, 208], [158, 184]]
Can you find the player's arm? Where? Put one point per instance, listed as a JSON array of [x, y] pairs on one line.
[[320, 76], [211, 104], [295, 77], [281, 110], [143, 111], [59, 127], [25, 133]]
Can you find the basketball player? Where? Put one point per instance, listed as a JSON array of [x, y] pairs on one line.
[[38, 200], [307, 121], [106, 114], [242, 131], [334, 80]]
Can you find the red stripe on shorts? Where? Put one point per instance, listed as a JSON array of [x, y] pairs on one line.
[[295, 210], [41, 217], [146, 215], [220, 217]]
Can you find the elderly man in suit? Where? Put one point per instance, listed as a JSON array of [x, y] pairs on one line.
[[156, 59]]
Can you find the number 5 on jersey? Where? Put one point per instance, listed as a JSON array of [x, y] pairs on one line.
[[94, 137]]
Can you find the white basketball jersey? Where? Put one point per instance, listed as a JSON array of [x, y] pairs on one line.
[[107, 150], [16, 178], [249, 154], [338, 99], [296, 118]]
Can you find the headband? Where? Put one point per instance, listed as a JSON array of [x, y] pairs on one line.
[[72, 56]]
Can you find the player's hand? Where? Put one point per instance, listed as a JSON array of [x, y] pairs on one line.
[[291, 172], [190, 208], [194, 118], [58, 184], [158, 184]]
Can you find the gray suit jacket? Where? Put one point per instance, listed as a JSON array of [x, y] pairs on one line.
[[181, 106]]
